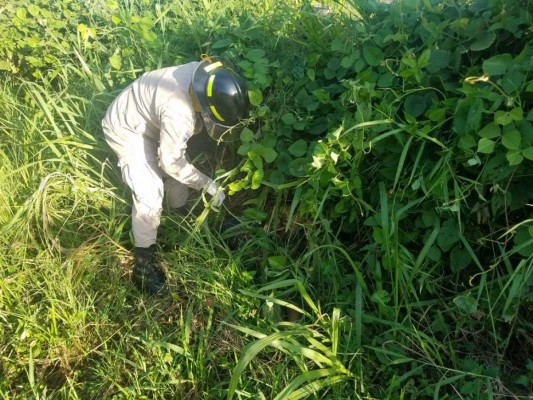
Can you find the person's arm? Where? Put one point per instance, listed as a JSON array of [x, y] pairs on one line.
[[176, 129]]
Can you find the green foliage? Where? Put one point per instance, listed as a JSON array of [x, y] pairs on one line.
[[409, 130], [383, 188]]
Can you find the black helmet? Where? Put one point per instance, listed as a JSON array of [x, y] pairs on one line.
[[222, 96]]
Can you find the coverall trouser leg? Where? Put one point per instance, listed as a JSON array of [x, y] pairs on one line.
[[140, 169]]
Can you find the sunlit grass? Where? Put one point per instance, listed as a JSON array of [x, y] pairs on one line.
[[282, 309]]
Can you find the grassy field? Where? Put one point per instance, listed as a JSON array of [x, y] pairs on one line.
[[384, 248]]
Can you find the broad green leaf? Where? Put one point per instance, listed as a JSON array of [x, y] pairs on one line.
[[437, 115], [359, 65], [490, 131], [496, 169], [248, 165], [263, 110], [511, 140], [33, 10], [415, 105], [297, 167], [467, 304], [298, 148], [528, 153], [322, 95], [478, 6], [276, 177], [473, 119], [372, 55], [21, 13], [505, 118], [434, 253], [459, 258], [237, 186], [300, 125], [380, 297], [222, 43], [349, 60], [255, 214], [257, 178], [246, 65], [385, 80], [277, 262], [334, 64], [146, 23], [485, 146], [337, 44], [33, 41], [474, 160], [517, 114], [262, 79], [288, 118], [523, 242], [256, 97], [467, 142], [255, 55], [334, 156], [448, 235], [502, 118], [257, 160], [246, 135], [497, 65], [438, 60], [115, 61], [514, 157], [467, 115], [149, 36], [513, 81], [483, 41], [269, 154], [459, 25], [244, 149], [423, 60]]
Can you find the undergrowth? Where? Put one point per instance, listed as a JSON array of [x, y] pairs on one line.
[[382, 243]]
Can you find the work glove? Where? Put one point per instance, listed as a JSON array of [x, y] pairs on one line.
[[218, 194]]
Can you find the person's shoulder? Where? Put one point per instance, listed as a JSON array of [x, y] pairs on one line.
[[190, 66]]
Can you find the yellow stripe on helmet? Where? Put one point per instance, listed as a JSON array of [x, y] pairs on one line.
[[210, 67], [210, 86], [216, 114]]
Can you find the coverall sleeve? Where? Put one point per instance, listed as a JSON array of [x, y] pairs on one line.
[[176, 129]]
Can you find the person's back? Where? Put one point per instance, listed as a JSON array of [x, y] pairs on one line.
[[139, 107], [148, 126]]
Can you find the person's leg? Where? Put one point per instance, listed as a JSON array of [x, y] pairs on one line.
[[146, 183], [175, 192], [140, 171]]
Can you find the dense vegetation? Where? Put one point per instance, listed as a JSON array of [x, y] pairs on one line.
[[383, 191]]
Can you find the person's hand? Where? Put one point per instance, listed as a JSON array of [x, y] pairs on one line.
[[219, 198], [218, 194]]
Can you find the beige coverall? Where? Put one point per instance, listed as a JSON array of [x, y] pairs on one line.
[[148, 126]]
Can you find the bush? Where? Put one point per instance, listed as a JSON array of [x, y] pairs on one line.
[[383, 187]]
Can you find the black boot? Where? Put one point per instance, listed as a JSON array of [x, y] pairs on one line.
[[148, 275]]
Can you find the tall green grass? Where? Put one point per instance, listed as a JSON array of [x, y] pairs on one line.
[[286, 305]]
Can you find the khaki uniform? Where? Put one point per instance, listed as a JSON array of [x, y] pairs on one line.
[[148, 126]]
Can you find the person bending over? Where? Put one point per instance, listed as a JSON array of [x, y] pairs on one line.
[[148, 126]]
